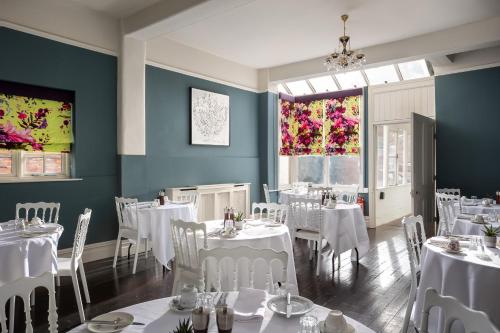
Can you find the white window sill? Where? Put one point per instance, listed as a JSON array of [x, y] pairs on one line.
[[37, 180]]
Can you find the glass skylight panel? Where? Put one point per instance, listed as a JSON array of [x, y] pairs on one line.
[[351, 80], [383, 74], [323, 84], [298, 88], [414, 69], [282, 89]]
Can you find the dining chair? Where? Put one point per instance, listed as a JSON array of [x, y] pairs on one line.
[[128, 208], [347, 193], [413, 227], [452, 191], [318, 191], [48, 212], [191, 196], [70, 266], [250, 258], [267, 192], [473, 321], [264, 210], [447, 216], [187, 238], [281, 213], [440, 197], [305, 221], [23, 288]]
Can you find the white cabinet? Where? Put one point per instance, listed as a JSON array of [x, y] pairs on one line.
[[212, 199]]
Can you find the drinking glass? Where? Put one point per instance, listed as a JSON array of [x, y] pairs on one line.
[[225, 317], [492, 216], [308, 324], [19, 224], [200, 318]]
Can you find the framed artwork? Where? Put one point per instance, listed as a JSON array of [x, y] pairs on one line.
[[209, 118]]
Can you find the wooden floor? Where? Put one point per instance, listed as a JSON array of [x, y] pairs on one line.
[[375, 293]]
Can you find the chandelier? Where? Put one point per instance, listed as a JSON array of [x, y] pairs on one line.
[[344, 59]]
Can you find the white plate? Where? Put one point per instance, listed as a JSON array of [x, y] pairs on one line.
[[300, 305], [349, 329], [125, 319], [453, 252]]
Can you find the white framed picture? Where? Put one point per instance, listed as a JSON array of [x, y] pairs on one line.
[[209, 118]]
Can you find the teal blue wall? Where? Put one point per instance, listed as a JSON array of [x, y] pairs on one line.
[[33, 60], [268, 139], [468, 131], [170, 160]]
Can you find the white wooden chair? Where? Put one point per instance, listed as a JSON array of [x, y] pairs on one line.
[[447, 216], [264, 210], [473, 321], [305, 221], [127, 231], [318, 191], [440, 197], [413, 227], [186, 237], [347, 193], [267, 193], [23, 288], [452, 191], [191, 196], [251, 257], [48, 212], [281, 213], [70, 266]]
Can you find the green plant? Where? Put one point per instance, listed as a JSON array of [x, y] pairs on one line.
[[239, 216], [491, 231], [184, 326], [333, 196]]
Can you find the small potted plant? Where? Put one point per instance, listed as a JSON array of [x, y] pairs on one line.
[[332, 201], [490, 235], [238, 220], [184, 326]]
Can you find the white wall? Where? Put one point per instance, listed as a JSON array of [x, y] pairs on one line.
[[395, 205]]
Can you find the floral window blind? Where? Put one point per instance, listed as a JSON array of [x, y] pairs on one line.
[[35, 124], [327, 125]]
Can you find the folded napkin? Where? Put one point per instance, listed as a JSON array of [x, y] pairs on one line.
[[463, 216], [250, 305], [441, 241]]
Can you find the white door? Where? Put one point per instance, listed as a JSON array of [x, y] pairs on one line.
[[423, 170]]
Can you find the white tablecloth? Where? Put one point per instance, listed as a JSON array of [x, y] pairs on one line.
[[480, 209], [160, 319], [466, 227], [258, 237], [473, 281], [23, 257], [154, 224]]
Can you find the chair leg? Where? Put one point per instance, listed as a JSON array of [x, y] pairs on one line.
[[409, 308], [357, 256], [136, 255], [12, 313], [58, 281], [78, 297], [338, 261], [84, 281], [318, 264], [117, 248], [146, 248]]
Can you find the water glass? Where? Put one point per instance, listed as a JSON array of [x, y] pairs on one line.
[[492, 216], [308, 324], [225, 318], [200, 319], [19, 224]]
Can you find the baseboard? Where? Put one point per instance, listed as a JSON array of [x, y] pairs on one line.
[[97, 251]]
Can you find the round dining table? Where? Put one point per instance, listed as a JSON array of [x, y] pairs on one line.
[[153, 223], [471, 276], [258, 234], [158, 318], [478, 208], [464, 226]]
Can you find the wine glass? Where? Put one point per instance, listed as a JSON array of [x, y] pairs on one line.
[[308, 324]]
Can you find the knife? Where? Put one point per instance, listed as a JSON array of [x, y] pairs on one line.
[[288, 305], [110, 322]]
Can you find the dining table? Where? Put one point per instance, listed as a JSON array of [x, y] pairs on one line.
[[464, 226], [153, 223], [471, 276], [476, 207], [157, 317], [257, 234]]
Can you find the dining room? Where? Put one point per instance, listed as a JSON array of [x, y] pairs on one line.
[[249, 166]]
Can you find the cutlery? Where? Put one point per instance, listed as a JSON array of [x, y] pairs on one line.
[[110, 322], [288, 305]]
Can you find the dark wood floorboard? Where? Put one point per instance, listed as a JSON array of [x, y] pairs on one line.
[[374, 293]]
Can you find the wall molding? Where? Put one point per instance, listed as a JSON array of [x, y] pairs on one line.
[[51, 36], [98, 251]]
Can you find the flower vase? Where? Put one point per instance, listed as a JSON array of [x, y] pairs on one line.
[[490, 241]]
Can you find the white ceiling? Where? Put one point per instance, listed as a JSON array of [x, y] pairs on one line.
[[117, 8], [267, 33]]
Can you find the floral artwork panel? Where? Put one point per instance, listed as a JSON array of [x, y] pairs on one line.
[[209, 118], [342, 126], [35, 124]]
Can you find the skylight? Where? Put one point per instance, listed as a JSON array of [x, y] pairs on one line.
[[282, 89], [323, 84], [383, 74], [351, 80], [414, 69], [298, 88]]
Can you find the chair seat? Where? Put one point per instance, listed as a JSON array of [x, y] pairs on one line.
[[64, 266], [307, 234]]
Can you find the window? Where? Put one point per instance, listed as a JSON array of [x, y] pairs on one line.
[[393, 155], [383, 74], [414, 69], [16, 165], [344, 170], [310, 169], [351, 80], [298, 88], [323, 84], [282, 89]]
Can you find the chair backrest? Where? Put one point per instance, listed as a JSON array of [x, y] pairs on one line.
[[440, 197], [453, 191], [264, 209], [120, 204], [23, 287], [267, 196], [188, 238], [80, 236], [318, 191], [305, 213], [347, 193], [191, 196], [281, 213], [251, 257], [47, 211], [413, 227], [473, 321], [447, 215]]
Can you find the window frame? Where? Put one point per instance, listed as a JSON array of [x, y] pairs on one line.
[[19, 174], [386, 156]]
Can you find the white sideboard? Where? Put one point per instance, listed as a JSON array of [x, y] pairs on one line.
[[212, 199]]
